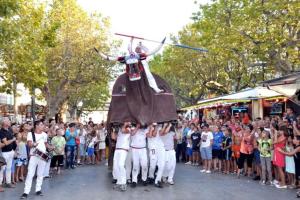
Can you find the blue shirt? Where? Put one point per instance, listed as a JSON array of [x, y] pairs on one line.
[[185, 132], [218, 140], [70, 140]]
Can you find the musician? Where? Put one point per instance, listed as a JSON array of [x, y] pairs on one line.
[[37, 141]]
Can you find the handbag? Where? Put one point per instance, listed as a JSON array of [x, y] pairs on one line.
[[2, 161], [77, 141]]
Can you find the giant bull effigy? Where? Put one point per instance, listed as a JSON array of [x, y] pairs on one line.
[[134, 98]]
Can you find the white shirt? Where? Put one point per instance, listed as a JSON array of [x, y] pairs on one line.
[[168, 140], [123, 140], [138, 140], [102, 135], [205, 139], [92, 142], [82, 137], [40, 139], [155, 142]]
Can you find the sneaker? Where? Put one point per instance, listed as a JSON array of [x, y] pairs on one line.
[[24, 196], [203, 170], [197, 164], [164, 179], [145, 183], [208, 171], [158, 184], [123, 187], [188, 163], [171, 182], [281, 186], [9, 185], [150, 180], [133, 184], [263, 182], [39, 193], [128, 181], [275, 182], [116, 187]]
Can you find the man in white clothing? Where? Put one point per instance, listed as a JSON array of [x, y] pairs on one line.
[[168, 136], [37, 141], [122, 147], [156, 155], [139, 154]]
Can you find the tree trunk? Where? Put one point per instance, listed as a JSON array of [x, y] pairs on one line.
[[15, 97]]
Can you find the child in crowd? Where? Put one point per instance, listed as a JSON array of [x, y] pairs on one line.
[[22, 157], [59, 144], [296, 154], [289, 162], [264, 147], [227, 153], [217, 148], [91, 141]]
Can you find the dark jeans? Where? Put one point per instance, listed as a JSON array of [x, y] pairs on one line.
[[180, 151], [70, 152]]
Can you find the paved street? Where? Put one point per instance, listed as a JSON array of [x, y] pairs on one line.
[[94, 183]]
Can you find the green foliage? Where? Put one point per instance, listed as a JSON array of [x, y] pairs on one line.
[[75, 72], [248, 41]]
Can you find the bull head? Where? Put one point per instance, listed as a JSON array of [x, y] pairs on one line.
[[122, 59]]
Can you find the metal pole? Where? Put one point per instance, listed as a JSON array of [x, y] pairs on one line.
[[33, 104]]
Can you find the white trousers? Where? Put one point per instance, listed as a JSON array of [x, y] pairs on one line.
[[139, 158], [151, 80], [47, 168], [157, 158], [39, 164], [170, 164], [8, 156], [128, 164], [119, 171]]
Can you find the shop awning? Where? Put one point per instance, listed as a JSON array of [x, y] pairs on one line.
[[243, 96], [288, 86]]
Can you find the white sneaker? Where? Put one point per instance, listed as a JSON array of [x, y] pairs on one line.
[[208, 172], [203, 170], [188, 163], [171, 182], [197, 164], [281, 186]]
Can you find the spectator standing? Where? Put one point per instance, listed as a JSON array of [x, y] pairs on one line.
[[7, 137]]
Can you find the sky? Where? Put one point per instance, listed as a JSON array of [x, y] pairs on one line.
[[151, 19]]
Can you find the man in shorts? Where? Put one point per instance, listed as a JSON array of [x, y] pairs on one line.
[[206, 148]]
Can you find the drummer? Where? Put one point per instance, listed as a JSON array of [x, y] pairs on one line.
[[37, 141]]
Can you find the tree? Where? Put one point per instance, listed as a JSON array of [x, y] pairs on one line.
[[242, 37], [22, 45], [74, 70]]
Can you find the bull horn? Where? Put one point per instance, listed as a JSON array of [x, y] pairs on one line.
[[157, 48], [109, 58]]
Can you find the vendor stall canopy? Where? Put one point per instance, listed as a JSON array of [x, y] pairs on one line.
[[288, 86], [243, 96]]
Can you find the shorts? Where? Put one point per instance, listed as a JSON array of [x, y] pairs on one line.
[[189, 151], [90, 151], [21, 162], [195, 149], [206, 153], [217, 153], [256, 155], [243, 157], [81, 149], [13, 166], [101, 145], [227, 154], [236, 151], [57, 161]]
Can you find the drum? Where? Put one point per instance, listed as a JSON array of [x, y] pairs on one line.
[[44, 156]]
